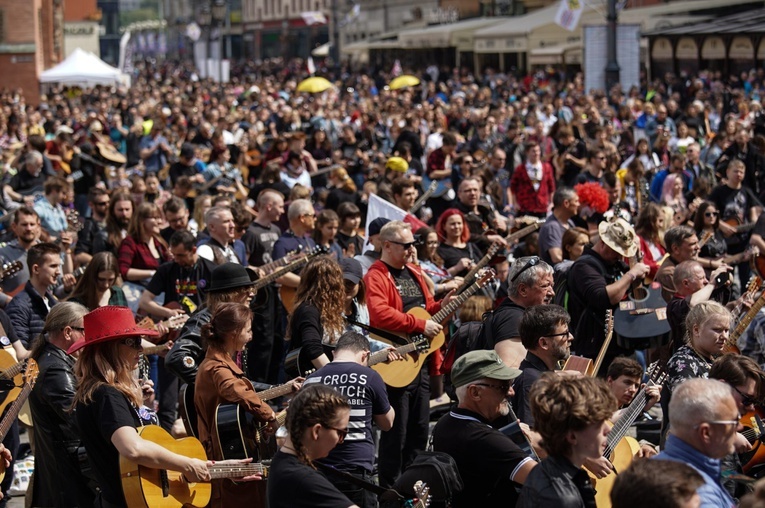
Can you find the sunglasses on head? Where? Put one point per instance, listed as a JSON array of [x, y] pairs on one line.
[[534, 261]]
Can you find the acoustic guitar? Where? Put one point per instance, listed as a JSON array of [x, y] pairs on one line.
[[400, 373], [11, 374], [146, 487], [585, 365], [621, 448], [174, 323], [30, 376], [297, 365], [731, 345], [241, 436], [422, 493], [286, 293], [188, 411]]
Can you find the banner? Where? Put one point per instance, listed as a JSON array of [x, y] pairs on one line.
[[568, 14], [314, 18], [126, 54], [378, 207], [397, 70]]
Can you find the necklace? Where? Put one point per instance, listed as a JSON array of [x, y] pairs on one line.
[[703, 358]]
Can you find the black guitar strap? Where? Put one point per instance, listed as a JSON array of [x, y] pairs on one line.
[[380, 332], [389, 494]]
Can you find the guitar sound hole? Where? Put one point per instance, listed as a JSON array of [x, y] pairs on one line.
[[639, 294]]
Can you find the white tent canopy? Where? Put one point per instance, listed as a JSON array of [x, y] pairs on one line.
[[82, 68]]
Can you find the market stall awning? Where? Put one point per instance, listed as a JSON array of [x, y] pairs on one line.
[[451, 35]]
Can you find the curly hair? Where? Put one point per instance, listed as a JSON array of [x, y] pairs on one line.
[[228, 320], [322, 285], [101, 364], [85, 290], [560, 405], [441, 225], [314, 404]]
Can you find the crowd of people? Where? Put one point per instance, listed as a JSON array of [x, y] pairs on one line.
[[240, 224]]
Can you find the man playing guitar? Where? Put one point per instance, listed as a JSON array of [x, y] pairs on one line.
[[393, 287]]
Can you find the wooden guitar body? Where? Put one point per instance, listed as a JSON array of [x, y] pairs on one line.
[[400, 373], [621, 458], [580, 364], [10, 370], [145, 487]]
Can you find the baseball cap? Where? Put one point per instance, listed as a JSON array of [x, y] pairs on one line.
[[481, 364], [376, 225], [351, 270]]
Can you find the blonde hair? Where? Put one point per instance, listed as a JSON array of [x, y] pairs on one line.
[[700, 314], [99, 365]]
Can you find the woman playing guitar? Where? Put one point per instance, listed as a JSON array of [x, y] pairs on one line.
[[220, 381]]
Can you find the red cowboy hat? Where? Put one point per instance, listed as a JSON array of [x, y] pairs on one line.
[[109, 323]]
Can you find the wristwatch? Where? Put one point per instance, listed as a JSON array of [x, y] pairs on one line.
[[5, 341]]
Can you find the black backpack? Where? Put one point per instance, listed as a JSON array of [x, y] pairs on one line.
[[470, 336], [439, 471]]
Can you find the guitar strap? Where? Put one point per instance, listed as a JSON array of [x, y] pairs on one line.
[[379, 332], [388, 494]]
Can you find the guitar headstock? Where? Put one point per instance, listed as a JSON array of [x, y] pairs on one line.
[[31, 371], [432, 187], [421, 344], [73, 220], [609, 322], [177, 322], [422, 491], [486, 277], [9, 269], [754, 284]]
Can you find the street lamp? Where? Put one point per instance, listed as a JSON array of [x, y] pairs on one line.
[[219, 9]]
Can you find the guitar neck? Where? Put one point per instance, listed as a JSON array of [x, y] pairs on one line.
[[219, 471], [274, 265], [522, 232], [13, 410], [625, 421], [12, 371], [478, 266], [154, 350], [440, 316], [276, 391], [268, 279], [382, 356], [744, 323], [421, 200]]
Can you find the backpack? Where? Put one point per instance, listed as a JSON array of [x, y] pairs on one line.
[[561, 281], [438, 470], [470, 336]]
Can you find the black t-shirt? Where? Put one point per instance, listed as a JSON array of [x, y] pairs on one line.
[[452, 255], [91, 239], [307, 332], [410, 291], [486, 459], [108, 411], [259, 241], [292, 484], [180, 284], [735, 204], [26, 184], [368, 397], [505, 321], [715, 247], [179, 169], [344, 241]]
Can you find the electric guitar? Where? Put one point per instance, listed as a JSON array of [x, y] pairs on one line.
[[585, 365], [400, 373], [621, 448], [30, 376], [731, 345], [146, 487]]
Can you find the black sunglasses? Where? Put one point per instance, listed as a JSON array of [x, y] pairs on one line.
[[746, 400], [531, 262], [407, 245]]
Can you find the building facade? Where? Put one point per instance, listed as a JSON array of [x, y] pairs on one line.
[[31, 40], [81, 26], [278, 28]]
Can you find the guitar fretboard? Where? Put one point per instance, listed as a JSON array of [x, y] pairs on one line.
[[13, 410], [219, 471], [268, 279], [382, 356], [276, 391], [456, 302], [12, 371], [744, 323]]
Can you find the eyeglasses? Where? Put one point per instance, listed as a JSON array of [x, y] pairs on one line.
[[341, 433], [534, 261], [311, 215], [134, 342], [732, 423], [561, 334], [406, 246], [102, 203], [746, 400], [711, 214], [78, 328], [503, 388]]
